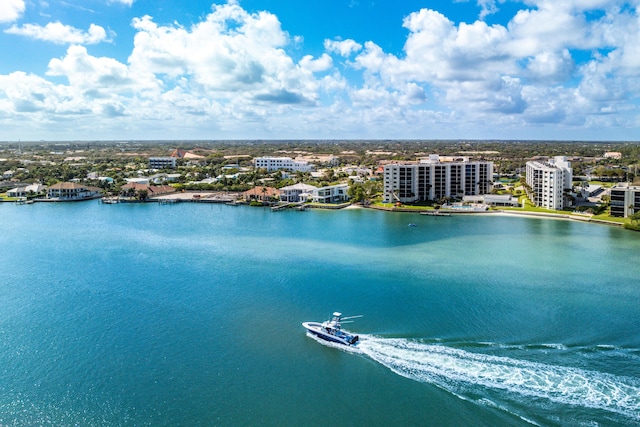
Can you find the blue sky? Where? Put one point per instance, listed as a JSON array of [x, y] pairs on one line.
[[330, 69]]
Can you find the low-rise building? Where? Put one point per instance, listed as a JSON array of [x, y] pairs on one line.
[[278, 163], [331, 194], [136, 189], [162, 162], [179, 153], [504, 200], [625, 200], [261, 193], [160, 178], [297, 193], [27, 190], [139, 180], [72, 191]]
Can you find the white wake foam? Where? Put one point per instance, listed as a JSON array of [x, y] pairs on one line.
[[456, 370]]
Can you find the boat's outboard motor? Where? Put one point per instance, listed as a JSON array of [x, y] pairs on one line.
[[354, 340]]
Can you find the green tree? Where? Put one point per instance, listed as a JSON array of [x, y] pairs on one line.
[[357, 192]]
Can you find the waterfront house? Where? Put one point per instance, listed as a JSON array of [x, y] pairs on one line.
[[145, 191], [72, 191], [261, 193], [25, 191], [330, 194], [297, 193]]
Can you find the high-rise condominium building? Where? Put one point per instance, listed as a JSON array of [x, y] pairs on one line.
[[436, 178], [548, 182]]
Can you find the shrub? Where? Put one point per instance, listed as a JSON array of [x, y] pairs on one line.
[[633, 227]]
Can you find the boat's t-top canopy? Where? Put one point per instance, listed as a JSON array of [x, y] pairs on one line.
[[335, 323]]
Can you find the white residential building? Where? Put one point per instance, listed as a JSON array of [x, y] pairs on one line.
[[297, 193], [435, 178], [162, 162], [67, 191], [625, 200], [277, 163], [139, 180], [25, 191], [331, 194], [548, 180]]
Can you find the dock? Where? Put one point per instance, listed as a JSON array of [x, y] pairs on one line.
[[435, 213], [299, 206]]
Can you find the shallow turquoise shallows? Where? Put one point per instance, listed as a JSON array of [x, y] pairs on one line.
[[190, 314]]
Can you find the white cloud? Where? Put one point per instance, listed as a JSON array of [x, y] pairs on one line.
[[11, 10], [231, 52], [551, 67], [59, 33], [488, 7], [99, 77], [231, 74], [124, 2], [342, 47], [31, 94], [316, 65], [505, 73]]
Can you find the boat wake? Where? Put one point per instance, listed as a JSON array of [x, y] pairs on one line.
[[462, 372]]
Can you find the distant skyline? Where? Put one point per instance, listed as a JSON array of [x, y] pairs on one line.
[[331, 69]]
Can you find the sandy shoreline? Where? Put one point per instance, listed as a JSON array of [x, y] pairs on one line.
[[569, 217], [221, 196]]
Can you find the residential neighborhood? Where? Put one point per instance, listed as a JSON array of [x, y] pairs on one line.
[[593, 179]]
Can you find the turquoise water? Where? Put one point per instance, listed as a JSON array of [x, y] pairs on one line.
[[190, 315]]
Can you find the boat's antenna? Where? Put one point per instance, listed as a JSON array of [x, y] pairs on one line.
[[353, 317]]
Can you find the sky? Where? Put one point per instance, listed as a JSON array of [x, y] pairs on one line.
[[319, 69]]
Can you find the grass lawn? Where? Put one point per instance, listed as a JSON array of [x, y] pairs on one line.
[[603, 184], [606, 217], [409, 207]]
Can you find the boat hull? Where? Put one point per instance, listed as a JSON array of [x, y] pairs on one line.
[[340, 337]]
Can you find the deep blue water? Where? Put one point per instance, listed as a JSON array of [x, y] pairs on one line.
[[190, 315]]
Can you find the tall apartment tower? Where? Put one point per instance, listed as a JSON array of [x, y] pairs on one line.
[[436, 178], [548, 180]]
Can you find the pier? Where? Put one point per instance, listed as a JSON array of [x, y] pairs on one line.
[[299, 206]]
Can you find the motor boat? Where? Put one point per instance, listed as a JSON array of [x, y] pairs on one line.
[[330, 330]]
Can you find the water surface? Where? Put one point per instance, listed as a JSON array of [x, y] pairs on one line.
[[190, 314]]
